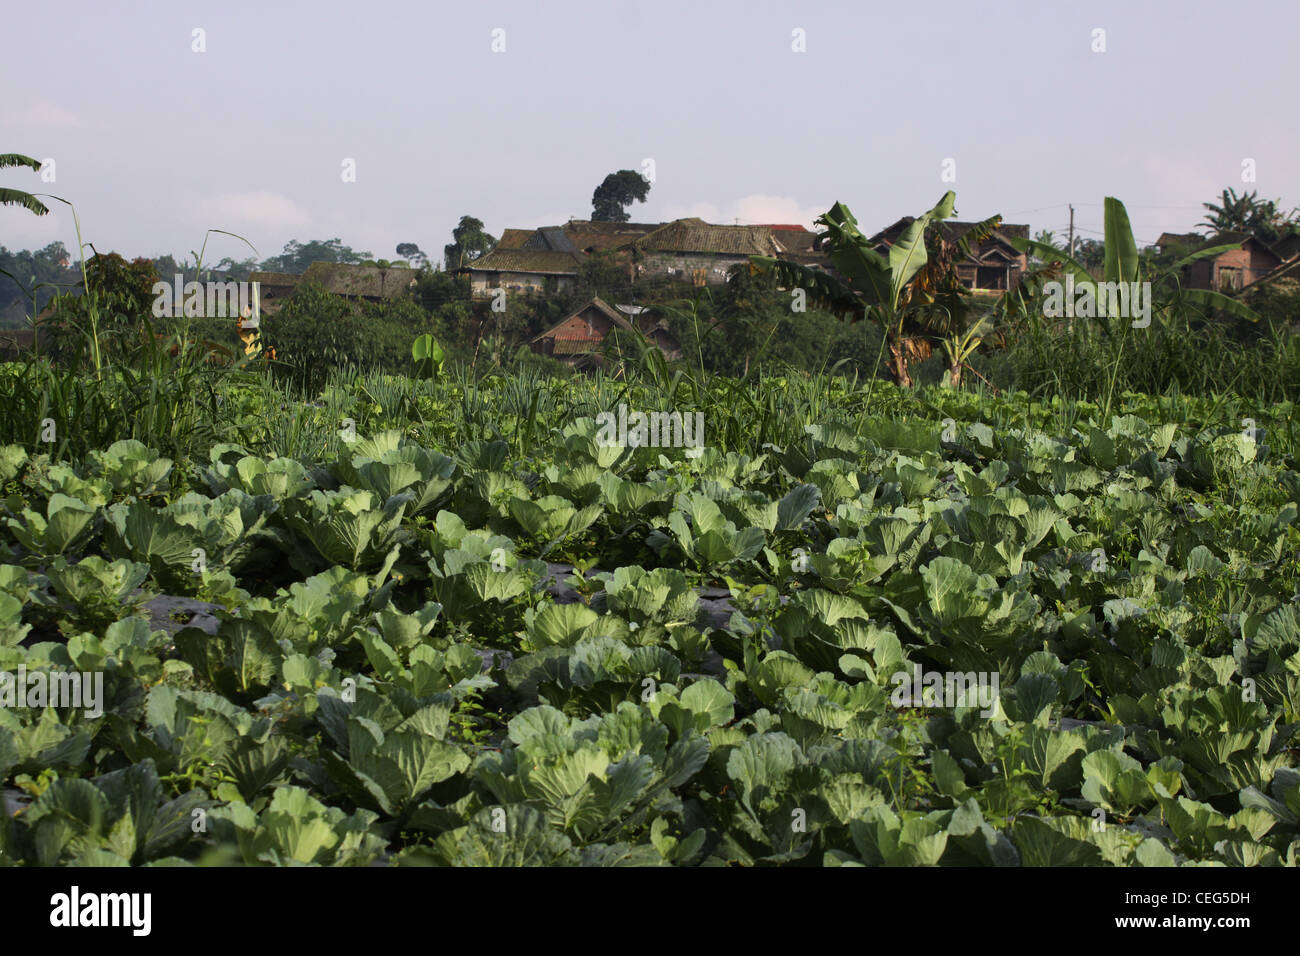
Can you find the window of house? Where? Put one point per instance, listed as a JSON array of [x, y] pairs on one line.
[[1229, 277]]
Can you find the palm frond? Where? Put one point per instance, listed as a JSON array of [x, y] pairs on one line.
[[18, 159], [16, 197]]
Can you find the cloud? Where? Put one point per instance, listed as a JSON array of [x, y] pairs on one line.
[[45, 114], [261, 208]]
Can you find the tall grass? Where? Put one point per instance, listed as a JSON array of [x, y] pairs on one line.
[[1175, 355]]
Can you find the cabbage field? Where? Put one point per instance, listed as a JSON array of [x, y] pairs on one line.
[[433, 622]]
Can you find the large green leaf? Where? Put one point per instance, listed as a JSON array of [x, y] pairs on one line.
[[1121, 255]]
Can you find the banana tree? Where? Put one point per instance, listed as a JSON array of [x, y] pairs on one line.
[[944, 303], [911, 290], [958, 347], [16, 197]]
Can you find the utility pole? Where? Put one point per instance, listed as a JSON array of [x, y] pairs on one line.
[[1071, 231]]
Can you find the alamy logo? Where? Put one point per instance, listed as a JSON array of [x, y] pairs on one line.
[[74, 908], [75, 690], [655, 430], [1088, 300], [210, 300], [945, 689]]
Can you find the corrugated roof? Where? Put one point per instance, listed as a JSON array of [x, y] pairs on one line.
[[698, 236]]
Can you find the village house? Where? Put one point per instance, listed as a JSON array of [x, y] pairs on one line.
[[1170, 241], [1233, 270], [799, 245], [369, 283], [579, 339], [1251, 261], [522, 270], [994, 265], [548, 259], [691, 249], [274, 288]]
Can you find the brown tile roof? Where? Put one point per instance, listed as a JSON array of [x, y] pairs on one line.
[[1168, 239], [287, 279], [370, 281], [580, 236], [698, 236], [1287, 248], [950, 229], [582, 342], [1223, 239], [1235, 239], [543, 261], [342, 278], [514, 238], [600, 305], [795, 240], [592, 236]]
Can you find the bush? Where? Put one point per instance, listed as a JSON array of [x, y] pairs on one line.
[[315, 331], [1277, 301], [525, 358]]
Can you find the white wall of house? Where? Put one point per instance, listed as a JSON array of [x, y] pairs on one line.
[[486, 283]]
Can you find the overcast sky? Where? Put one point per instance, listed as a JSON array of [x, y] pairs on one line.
[[156, 143]]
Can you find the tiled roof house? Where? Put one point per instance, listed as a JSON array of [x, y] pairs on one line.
[[994, 265], [372, 283], [548, 259], [579, 339]]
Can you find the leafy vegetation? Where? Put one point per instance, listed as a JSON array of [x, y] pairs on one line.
[[464, 632]]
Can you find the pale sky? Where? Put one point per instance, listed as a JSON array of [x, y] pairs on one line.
[[156, 143]]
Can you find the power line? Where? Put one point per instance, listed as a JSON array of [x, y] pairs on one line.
[[1021, 212], [1059, 205]]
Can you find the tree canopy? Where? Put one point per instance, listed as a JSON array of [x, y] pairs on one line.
[[618, 191], [297, 256], [412, 253], [469, 241], [1261, 218]]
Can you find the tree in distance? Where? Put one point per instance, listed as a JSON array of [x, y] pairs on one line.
[[619, 190], [469, 241], [412, 253]]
